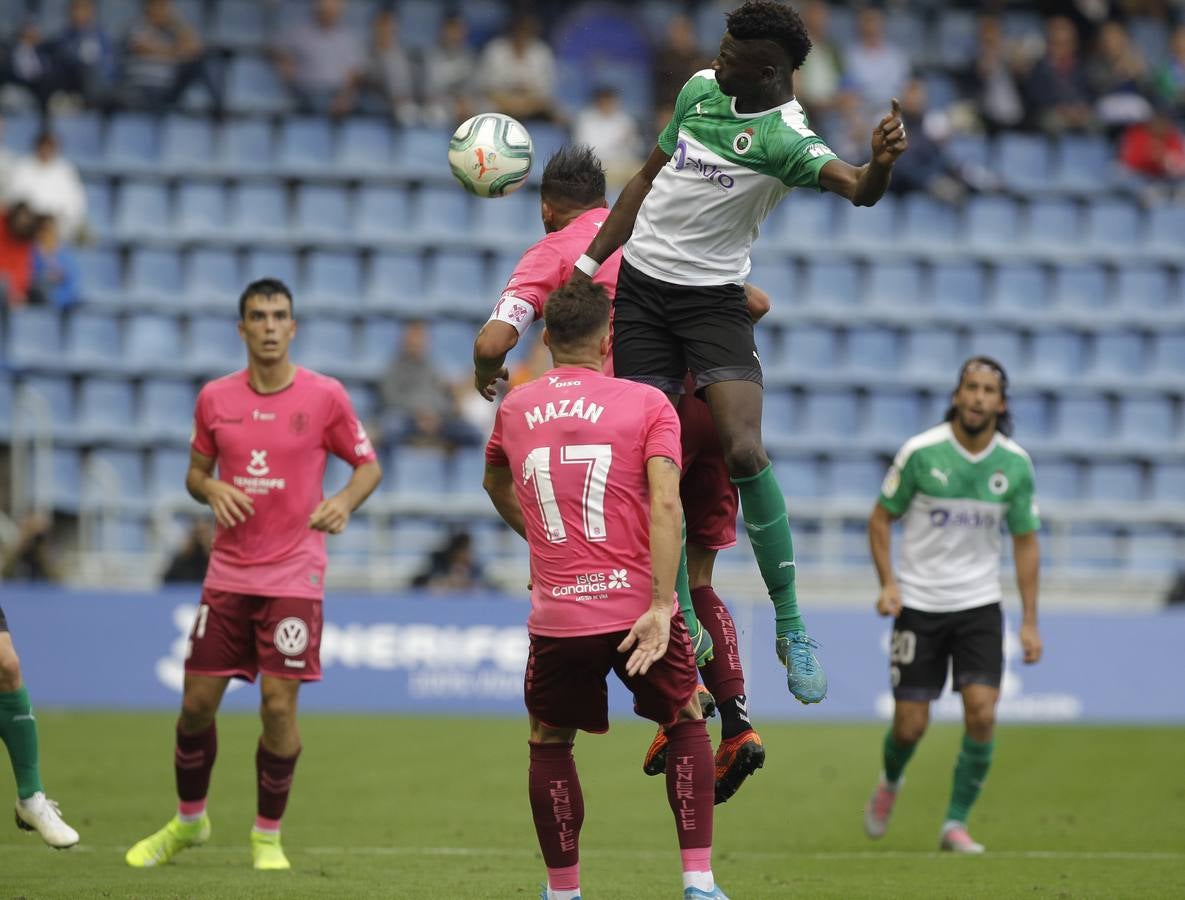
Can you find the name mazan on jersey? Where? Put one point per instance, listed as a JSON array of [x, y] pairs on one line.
[[564, 409]]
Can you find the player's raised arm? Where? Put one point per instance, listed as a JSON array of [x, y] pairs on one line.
[[493, 342], [865, 185], [231, 506], [880, 536], [1027, 554], [620, 224]]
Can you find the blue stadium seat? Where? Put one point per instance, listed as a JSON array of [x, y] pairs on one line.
[[811, 348], [468, 469], [143, 209], [365, 147], [1147, 420], [253, 87], [778, 415], [326, 344], [419, 23], [213, 346], [895, 285], [52, 395], [201, 209], [1155, 549], [452, 346], [152, 342], [1083, 420], [1170, 353], [1119, 482], [1119, 354], [893, 415], [154, 277], [1057, 478], [1141, 286], [106, 409], [1057, 353], [187, 144], [240, 25], [1168, 484], [1002, 344], [457, 281], [932, 352], [992, 221], [419, 470], [166, 411], [1166, 224], [34, 338], [80, 136], [245, 145], [956, 38], [167, 468], [485, 18], [443, 212], [831, 414], [775, 275], [212, 278], [322, 211], [6, 402], [856, 479], [1023, 161], [1080, 286], [380, 340], [801, 476], [833, 283], [1020, 286], [333, 280], [125, 467], [363, 395], [805, 214], [99, 205], [871, 225], [396, 283], [259, 209], [958, 285], [927, 221], [423, 152], [279, 264], [1112, 224], [94, 341], [306, 145], [769, 346], [1084, 163], [133, 142], [100, 274], [871, 349], [1030, 412], [546, 138], [514, 218], [1088, 546], [65, 479], [1054, 222], [969, 150], [382, 212]]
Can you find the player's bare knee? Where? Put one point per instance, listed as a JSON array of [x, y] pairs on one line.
[[197, 712], [547, 734], [745, 456], [980, 723], [277, 709], [910, 725]]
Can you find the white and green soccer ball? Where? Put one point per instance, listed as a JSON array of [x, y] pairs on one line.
[[490, 154]]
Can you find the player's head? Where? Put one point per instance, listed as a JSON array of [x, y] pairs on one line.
[[577, 320], [764, 43], [573, 182], [266, 321], [980, 399]]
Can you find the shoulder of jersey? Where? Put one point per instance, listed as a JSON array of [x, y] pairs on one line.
[[322, 381], [928, 438], [1013, 447]]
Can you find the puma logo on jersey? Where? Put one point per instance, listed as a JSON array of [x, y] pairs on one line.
[[940, 476]]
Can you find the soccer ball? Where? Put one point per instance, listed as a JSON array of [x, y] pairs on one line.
[[490, 154]]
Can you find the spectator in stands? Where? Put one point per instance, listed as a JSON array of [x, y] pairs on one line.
[[29, 64], [1119, 78], [55, 267], [611, 132], [1170, 76], [675, 60], [50, 185], [85, 57], [1057, 90], [929, 167], [30, 557], [875, 70], [818, 81], [189, 564], [163, 56], [419, 402], [390, 68], [518, 73], [452, 567], [450, 74], [993, 80], [17, 229], [323, 61], [1155, 149]]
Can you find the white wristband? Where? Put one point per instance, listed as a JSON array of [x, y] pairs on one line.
[[587, 265]]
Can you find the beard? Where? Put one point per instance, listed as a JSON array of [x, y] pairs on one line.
[[975, 430]]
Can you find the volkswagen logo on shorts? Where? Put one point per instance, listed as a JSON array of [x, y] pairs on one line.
[[292, 636]]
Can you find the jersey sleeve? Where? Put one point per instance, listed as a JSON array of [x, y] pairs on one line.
[[1023, 516], [203, 436], [803, 159], [345, 435], [495, 452], [899, 486], [687, 98], [539, 272], [663, 435]]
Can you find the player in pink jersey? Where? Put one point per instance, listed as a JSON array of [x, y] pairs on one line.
[[573, 208], [585, 468], [269, 429]]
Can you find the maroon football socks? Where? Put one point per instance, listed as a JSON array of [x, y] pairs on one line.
[[193, 761]]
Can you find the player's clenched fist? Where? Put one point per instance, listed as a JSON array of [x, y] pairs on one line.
[[330, 516], [888, 602], [231, 506], [888, 138]]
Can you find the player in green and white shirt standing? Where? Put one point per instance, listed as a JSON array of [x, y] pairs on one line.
[[737, 144], [954, 486]]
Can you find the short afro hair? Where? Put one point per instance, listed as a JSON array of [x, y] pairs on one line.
[[573, 178], [771, 21]]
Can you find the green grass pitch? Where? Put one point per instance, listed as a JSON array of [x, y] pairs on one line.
[[436, 808]]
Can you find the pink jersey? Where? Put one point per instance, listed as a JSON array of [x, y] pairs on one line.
[[577, 443], [548, 265], [273, 447]]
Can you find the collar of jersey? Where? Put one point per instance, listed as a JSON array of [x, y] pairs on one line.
[[732, 104], [967, 454]]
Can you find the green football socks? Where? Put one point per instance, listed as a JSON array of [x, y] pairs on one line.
[[683, 587], [895, 757], [18, 730], [971, 769], [763, 507]]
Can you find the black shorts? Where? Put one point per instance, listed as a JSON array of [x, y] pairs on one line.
[[662, 330], [924, 645], [3, 621]]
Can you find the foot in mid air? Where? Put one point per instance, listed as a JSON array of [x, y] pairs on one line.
[[736, 759], [160, 848], [956, 839], [267, 852], [715, 893], [879, 808], [39, 813], [804, 676], [655, 761]]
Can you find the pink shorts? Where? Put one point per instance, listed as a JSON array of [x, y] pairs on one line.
[[709, 497], [238, 635]]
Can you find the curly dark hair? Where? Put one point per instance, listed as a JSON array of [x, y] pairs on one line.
[[1004, 420], [575, 313], [573, 178], [773, 21]]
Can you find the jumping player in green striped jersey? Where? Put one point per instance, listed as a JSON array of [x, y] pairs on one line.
[[953, 486], [737, 144]]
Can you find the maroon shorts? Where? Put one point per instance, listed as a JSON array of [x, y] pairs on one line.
[[241, 635], [709, 497], [565, 685]]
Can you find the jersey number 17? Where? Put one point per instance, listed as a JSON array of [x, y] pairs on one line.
[[596, 458]]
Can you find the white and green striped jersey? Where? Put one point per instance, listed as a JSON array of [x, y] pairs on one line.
[[953, 505], [727, 171]]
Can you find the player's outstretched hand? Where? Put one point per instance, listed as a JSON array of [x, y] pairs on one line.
[[1030, 642], [231, 506], [330, 516], [888, 601], [648, 638], [888, 138], [489, 390]]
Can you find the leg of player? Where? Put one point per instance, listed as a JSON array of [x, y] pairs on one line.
[[193, 760], [18, 730], [557, 806], [975, 758], [736, 409], [690, 792], [910, 718], [275, 765]]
